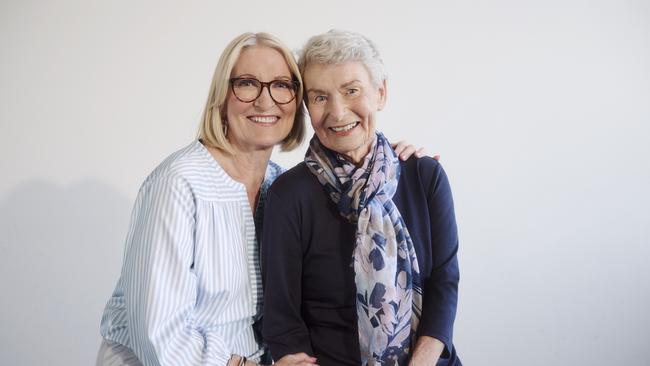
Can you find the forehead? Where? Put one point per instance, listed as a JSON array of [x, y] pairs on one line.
[[263, 62], [334, 75]]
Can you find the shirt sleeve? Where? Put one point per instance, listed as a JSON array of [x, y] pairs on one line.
[[160, 288], [440, 289], [284, 329]]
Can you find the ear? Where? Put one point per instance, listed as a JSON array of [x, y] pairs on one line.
[[382, 95]]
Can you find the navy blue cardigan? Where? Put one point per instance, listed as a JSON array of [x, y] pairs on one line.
[[309, 289]]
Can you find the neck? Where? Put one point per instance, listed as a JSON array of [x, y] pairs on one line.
[[245, 166], [357, 157]]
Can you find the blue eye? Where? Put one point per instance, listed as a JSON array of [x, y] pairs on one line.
[[352, 92], [245, 83], [281, 84], [319, 99]]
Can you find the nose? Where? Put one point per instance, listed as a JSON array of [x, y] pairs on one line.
[[336, 108], [264, 101]]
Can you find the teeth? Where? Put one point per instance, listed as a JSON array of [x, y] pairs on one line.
[[344, 128], [263, 119]]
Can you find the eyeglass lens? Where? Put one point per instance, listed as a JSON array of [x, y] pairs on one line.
[[247, 90]]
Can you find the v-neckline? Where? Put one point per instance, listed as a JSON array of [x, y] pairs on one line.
[[234, 183]]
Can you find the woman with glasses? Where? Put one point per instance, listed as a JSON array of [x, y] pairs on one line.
[[359, 253], [190, 290]]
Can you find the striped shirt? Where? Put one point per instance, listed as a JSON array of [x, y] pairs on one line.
[[190, 287]]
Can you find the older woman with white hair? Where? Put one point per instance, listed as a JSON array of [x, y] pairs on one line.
[[359, 256]]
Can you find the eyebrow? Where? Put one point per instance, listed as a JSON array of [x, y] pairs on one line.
[[344, 85], [310, 90], [350, 83], [283, 77]]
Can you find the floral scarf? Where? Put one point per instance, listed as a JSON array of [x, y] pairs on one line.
[[387, 276]]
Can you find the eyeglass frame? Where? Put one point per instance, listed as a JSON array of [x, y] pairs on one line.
[[263, 84]]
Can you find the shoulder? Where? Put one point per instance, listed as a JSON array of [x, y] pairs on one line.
[[273, 171], [425, 171], [184, 162], [185, 170], [425, 163], [294, 182]]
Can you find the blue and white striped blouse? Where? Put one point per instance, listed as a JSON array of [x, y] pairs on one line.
[[190, 287]]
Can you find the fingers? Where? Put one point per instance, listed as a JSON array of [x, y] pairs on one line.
[[408, 151], [303, 359], [297, 359], [399, 146], [405, 150], [420, 153]]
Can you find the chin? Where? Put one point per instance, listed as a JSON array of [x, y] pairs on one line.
[[343, 150]]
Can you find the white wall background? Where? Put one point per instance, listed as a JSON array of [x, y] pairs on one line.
[[541, 110]]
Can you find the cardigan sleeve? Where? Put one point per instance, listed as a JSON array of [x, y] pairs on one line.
[[159, 285], [283, 328], [440, 289]]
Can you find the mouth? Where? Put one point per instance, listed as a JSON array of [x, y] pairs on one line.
[[339, 130], [264, 120]]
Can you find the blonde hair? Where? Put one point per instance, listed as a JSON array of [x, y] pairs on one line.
[[338, 46], [211, 130]]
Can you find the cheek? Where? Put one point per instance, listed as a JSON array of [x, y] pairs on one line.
[[233, 107], [318, 126], [290, 110], [364, 108], [315, 117]]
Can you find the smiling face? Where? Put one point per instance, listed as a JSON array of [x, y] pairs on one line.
[[343, 103], [261, 124]]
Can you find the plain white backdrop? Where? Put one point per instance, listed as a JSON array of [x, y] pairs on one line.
[[540, 109]]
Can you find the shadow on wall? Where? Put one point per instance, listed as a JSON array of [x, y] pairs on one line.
[[60, 255]]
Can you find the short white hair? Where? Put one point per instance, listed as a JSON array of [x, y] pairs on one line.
[[337, 46]]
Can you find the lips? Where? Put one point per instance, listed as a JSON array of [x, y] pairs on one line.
[[266, 120], [344, 128]]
